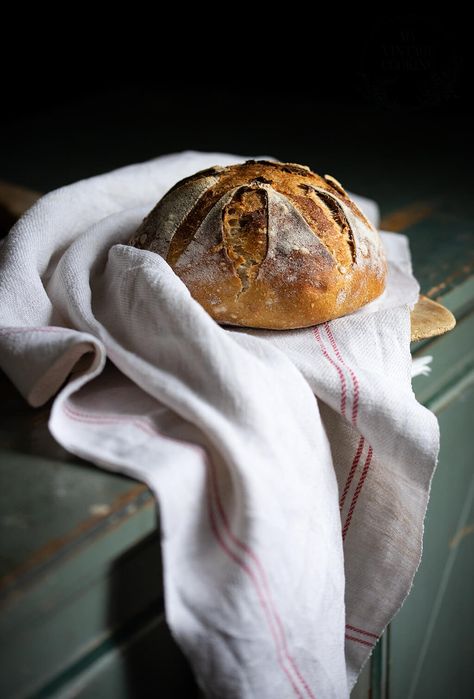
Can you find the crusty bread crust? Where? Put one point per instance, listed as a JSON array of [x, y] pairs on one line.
[[267, 245]]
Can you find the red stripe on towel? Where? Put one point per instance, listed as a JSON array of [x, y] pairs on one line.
[[240, 562], [355, 497], [268, 606], [355, 462], [354, 379], [342, 379], [359, 640], [350, 477], [264, 581], [366, 633]]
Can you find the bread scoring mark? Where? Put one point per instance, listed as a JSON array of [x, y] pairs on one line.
[[369, 251], [204, 263], [261, 180], [269, 163], [322, 222], [244, 232], [336, 187], [179, 231], [290, 168], [341, 220], [300, 170], [213, 171], [335, 184], [295, 254], [298, 267], [158, 228], [227, 179]]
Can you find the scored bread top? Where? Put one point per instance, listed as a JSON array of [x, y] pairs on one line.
[[267, 244]]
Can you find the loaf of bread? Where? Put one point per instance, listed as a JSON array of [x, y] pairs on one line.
[[267, 245]]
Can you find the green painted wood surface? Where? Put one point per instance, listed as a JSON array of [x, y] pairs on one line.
[[453, 357], [144, 663], [443, 251], [48, 491], [78, 604], [58, 499], [432, 637], [362, 687]]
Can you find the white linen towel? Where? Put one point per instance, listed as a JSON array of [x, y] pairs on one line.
[[292, 469]]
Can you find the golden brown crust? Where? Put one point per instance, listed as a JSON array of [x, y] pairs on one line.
[[267, 245]]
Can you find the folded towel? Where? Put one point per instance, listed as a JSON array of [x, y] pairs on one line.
[[292, 468]]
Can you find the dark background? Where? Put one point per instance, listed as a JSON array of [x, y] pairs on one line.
[[381, 103]]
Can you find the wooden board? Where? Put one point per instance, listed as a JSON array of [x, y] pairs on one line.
[[429, 319]]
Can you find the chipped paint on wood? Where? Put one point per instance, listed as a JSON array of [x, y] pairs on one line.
[[407, 216], [460, 535], [122, 507]]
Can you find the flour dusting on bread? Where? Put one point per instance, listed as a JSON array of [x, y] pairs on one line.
[[267, 245]]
